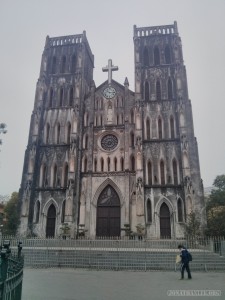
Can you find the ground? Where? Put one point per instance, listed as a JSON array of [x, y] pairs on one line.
[[81, 284]]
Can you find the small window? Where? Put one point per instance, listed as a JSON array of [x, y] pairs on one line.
[[148, 129], [179, 210], [63, 64], [158, 91], [170, 89], [146, 57], [162, 172], [149, 211], [156, 56], [146, 91], [167, 55], [54, 65]]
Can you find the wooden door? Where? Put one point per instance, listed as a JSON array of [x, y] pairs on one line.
[[108, 213], [51, 217], [165, 227]]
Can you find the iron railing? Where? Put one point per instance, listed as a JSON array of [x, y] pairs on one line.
[[11, 272], [121, 254]]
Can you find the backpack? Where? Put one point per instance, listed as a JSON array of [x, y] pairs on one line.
[[189, 256]]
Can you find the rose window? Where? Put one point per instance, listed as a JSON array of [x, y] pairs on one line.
[[109, 142]]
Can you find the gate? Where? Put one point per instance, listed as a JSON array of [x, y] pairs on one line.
[[11, 272]]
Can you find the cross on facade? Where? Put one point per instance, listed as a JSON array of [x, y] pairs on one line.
[[109, 69]]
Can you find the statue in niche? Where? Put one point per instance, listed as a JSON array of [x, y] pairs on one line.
[[139, 186], [109, 113], [139, 143], [184, 142], [73, 145]]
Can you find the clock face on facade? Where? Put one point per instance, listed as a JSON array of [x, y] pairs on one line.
[[109, 142], [109, 92]]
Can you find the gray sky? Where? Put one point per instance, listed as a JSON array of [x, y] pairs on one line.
[[24, 25]]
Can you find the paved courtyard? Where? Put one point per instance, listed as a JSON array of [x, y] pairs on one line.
[[80, 284]]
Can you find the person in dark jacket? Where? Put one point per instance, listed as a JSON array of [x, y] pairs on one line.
[[184, 262]]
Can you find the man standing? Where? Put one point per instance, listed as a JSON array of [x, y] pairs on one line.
[[184, 262]]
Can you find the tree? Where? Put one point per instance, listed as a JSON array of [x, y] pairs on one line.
[[193, 225], [216, 208], [11, 215], [2, 130]]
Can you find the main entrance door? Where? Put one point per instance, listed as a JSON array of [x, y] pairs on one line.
[[51, 216], [165, 227], [108, 213]]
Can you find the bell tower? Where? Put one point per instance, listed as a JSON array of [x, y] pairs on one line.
[[170, 154], [49, 194]]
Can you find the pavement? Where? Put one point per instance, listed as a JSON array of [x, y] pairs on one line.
[[81, 284]]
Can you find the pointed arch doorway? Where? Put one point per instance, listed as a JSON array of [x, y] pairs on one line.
[[108, 213], [51, 218], [165, 226]]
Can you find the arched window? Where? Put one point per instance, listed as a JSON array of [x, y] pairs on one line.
[[158, 90], [146, 56], [102, 165], [132, 163], [37, 212], [57, 140], [115, 164], [170, 89], [61, 97], [162, 172], [132, 139], [86, 142], [122, 164], [167, 55], [63, 64], [66, 171], [51, 98], [149, 167], [149, 211], [63, 211], [148, 129], [175, 177], [179, 210], [108, 163], [95, 165], [54, 65], [85, 164], [54, 179], [160, 128], [73, 63], [47, 133], [156, 56], [71, 97], [43, 178], [172, 134], [68, 133], [146, 91]]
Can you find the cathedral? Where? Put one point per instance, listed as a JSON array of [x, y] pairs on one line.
[[104, 161]]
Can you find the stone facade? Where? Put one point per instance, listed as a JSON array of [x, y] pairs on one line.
[[102, 159]]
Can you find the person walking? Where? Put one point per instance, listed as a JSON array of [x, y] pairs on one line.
[[184, 262]]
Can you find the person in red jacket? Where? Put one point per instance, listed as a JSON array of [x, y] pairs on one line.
[[184, 262]]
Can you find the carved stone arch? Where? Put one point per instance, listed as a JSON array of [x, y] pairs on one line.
[[108, 181], [167, 201], [48, 204]]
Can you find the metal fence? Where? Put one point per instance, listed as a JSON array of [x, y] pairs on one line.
[[121, 254], [11, 272]]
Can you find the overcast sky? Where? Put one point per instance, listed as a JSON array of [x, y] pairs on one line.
[[24, 25]]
